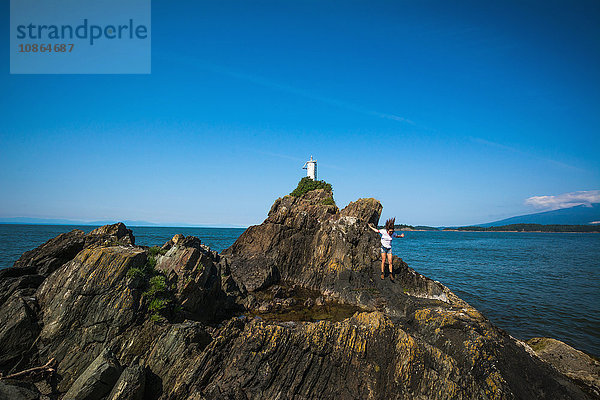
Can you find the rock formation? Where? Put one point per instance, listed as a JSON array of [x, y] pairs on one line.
[[575, 364], [294, 308]]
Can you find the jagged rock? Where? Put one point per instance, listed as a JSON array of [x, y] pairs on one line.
[[13, 279], [130, 385], [97, 380], [581, 368], [116, 233], [49, 256], [178, 238], [278, 292], [167, 352], [303, 242], [35, 265], [366, 356], [85, 304], [18, 331], [193, 269], [17, 390], [368, 210]]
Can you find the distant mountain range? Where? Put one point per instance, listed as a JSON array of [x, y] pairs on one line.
[[578, 215], [51, 221], [56, 221]]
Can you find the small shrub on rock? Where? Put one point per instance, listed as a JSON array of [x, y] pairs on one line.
[[158, 295], [158, 286], [135, 273], [306, 185], [155, 251]]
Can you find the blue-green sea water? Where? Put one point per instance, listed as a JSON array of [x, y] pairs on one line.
[[530, 284]]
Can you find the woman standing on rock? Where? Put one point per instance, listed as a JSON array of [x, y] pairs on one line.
[[387, 234]]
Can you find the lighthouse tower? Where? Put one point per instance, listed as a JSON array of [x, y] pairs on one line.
[[311, 168]]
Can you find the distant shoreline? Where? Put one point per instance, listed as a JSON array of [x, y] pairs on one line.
[[523, 227], [507, 231], [92, 225]]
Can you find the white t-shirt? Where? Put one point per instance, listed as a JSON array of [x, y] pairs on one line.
[[386, 239]]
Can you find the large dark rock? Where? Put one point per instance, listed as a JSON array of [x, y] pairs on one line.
[[17, 279], [55, 252], [194, 271], [308, 243], [85, 304], [113, 234], [18, 331], [97, 380], [17, 390], [581, 368], [34, 266], [130, 385], [312, 244]]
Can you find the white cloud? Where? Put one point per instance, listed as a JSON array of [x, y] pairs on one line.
[[565, 200]]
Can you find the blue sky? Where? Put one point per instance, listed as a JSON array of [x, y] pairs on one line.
[[449, 113]]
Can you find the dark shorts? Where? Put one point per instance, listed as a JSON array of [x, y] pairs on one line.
[[386, 250]]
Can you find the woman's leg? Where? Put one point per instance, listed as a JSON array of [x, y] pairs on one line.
[[390, 261], [382, 264]]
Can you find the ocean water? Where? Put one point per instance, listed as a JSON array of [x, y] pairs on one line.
[[530, 284]]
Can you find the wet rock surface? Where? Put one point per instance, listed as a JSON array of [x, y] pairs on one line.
[[294, 309]]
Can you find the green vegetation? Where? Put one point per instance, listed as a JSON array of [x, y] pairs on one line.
[[328, 201], [157, 286], [158, 295], [155, 250], [135, 273], [306, 185], [529, 228]]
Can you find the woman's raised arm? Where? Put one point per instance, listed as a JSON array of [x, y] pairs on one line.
[[372, 228]]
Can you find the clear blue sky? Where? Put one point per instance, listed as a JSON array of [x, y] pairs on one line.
[[449, 113]]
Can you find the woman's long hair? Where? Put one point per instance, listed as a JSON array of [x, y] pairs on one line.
[[389, 224]]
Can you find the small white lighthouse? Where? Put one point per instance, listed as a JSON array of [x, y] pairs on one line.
[[311, 168]]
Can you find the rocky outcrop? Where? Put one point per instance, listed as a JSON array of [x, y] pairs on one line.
[[575, 364], [55, 252], [294, 309], [130, 385], [316, 246], [85, 304], [193, 270], [35, 265], [18, 331], [113, 234], [18, 390], [305, 242], [97, 380]]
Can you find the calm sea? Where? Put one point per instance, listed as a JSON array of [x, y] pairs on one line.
[[530, 284]]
